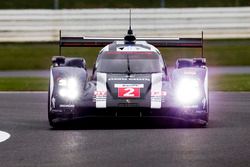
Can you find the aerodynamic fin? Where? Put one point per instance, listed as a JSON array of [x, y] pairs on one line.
[[103, 41]]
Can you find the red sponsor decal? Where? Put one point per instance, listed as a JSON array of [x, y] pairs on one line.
[[129, 92], [162, 93], [100, 93]]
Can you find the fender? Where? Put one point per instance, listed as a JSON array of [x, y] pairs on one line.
[[57, 73]]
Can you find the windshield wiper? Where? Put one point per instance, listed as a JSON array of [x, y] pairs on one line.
[[128, 65]]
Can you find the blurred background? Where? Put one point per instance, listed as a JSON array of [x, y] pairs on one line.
[[79, 4], [29, 31]]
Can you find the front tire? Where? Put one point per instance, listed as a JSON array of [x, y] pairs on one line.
[[50, 115], [50, 118], [205, 117]]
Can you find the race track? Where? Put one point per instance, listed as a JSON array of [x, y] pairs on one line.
[[124, 143]]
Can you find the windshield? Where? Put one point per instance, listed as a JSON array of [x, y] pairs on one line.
[[129, 62]]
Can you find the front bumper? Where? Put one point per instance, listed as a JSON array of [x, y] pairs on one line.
[[72, 113]]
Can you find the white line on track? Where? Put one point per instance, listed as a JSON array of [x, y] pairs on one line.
[[4, 136]]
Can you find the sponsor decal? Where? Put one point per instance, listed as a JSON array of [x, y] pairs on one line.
[[156, 90], [100, 93], [128, 79], [101, 90], [129, 85], [67, 105], [190, 72], [158, 93]]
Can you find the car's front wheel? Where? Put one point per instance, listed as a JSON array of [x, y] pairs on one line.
[[50, 115], [205, 117]]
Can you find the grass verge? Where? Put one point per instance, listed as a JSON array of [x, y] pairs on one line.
[[23, 84], [216, 83], [37, 56], [230, 82]]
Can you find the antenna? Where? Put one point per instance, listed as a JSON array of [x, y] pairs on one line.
[[129, 18], [130, 38], [130, 31], [60, 37], [202, 48]]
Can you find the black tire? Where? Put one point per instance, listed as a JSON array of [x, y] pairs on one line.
[[205, 117], [204, 125], [50, 118], [50, 115]]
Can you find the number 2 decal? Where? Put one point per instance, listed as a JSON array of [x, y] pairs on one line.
[[129, 92]]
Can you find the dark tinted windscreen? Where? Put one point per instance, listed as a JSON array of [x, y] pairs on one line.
[[134, 62]]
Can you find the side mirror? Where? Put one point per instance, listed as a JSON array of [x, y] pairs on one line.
[[76, 62], [58, 60], [199, 61], [184, 62], [93, 72]]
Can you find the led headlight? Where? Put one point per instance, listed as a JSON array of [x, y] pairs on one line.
[[187, 91], [68, 88]]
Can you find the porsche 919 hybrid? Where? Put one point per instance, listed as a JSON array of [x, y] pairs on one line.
[[129, 79]]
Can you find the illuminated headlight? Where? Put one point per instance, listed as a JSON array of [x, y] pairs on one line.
[[68, 88], [187, 91]]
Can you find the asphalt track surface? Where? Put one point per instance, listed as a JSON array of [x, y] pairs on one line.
[[226, 141], [45, 73]]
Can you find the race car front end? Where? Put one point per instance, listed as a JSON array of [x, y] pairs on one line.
[[135, 95], [129, 79], [67, 91], [189, 99]]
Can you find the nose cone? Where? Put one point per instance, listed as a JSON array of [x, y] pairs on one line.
[[134, 86]]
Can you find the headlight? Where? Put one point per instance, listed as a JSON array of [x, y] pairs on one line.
[[188, 91], [68, 88]]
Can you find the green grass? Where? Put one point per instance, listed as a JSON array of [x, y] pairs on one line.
[[218, 53], [36, 56], [230, 82], [23, 84], [216, 83], [48, 4]]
